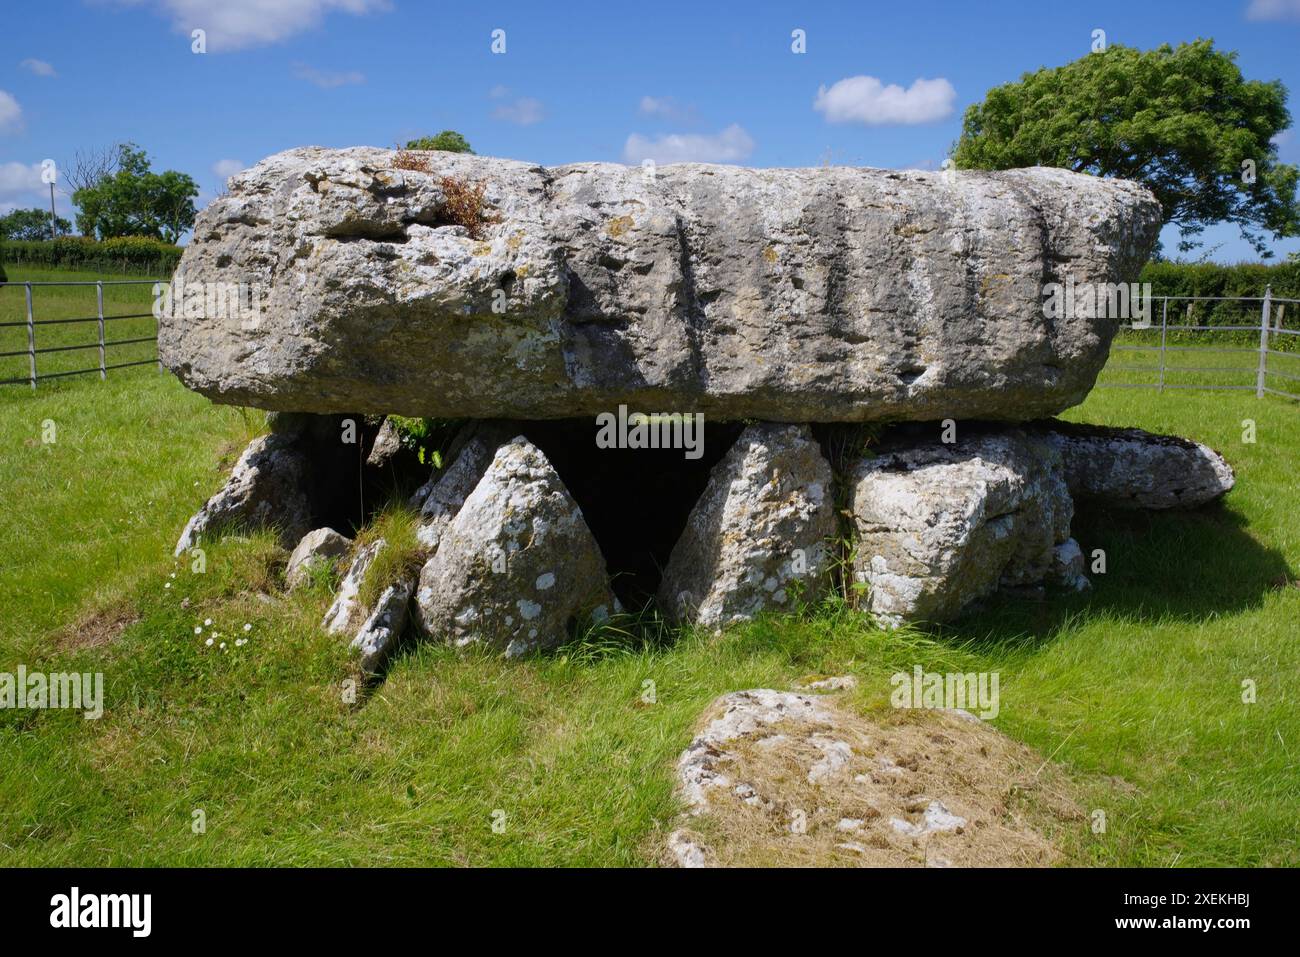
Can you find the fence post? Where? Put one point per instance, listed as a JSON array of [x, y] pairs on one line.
[[1164, 328], [157, 325], [99, 298], [1263, 342], [31, 339]]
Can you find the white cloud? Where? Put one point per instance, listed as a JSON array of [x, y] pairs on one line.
[[667, 108], [39, 67], [864, 99], [1273, 10], [21, 187], [328, 79], [11, 114], [656, 106], [525, 111], [224, 169], [236, 24], [732, 145]]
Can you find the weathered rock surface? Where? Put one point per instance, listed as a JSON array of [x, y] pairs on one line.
[[741, 715], [517, 567], [782, 778], [1130, 468], [1068, 567], [386, 448], [795, 295], [939, 526], [440, 499], [317, 547], [765, 521], [383, 628], [346, 614], [266, 488]]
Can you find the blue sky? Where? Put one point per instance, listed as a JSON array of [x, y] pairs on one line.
[[577, 81]]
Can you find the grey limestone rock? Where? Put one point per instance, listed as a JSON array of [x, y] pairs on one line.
[[793, 295], [517, 567], [766, 520]]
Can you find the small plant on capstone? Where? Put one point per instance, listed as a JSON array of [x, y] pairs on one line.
[[463, 205], [405, 159]]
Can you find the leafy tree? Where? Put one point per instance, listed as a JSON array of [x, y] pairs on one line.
[[31, 224], [449, 141], [1182, 121], [135, 201]]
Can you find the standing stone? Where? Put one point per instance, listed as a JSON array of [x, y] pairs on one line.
[[346, 613], [383, 628], [939, 526], [442, 496], [794, 295], [1130, 468], [318, 547], [266, 489], [764, 522], [517, 568]]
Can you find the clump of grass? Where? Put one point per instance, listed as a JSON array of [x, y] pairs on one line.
[[845, 445], [252, 421], [621, 634], [401, 556], [463, 204]]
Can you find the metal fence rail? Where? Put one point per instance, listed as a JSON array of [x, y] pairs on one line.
[[102, 343], [1272, 311]]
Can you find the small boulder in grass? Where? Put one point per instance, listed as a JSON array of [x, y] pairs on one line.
[[319, 547], [1130, 468], [383, 628], [346, 614]]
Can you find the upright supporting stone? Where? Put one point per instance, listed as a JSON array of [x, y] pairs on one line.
[[763, 527], [939, 526], [517, 569], [266, 489]]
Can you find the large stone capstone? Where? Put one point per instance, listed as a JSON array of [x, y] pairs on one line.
[[791, 295]]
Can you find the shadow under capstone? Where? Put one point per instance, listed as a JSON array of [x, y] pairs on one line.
[[635, 501]]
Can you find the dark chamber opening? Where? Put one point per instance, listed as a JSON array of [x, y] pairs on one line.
[[635, 501]]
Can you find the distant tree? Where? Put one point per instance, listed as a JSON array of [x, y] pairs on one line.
[[31, 224], [449, 141], [135, 201], [90, 166], [1182, 121]]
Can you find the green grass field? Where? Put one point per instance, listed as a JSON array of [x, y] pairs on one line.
[[62, 303], [1135, 690]]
